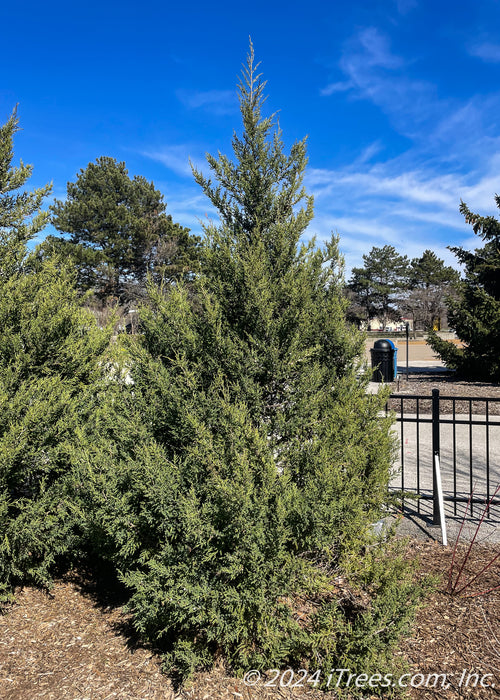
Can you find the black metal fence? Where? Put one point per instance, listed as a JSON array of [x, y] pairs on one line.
[[464, 432]]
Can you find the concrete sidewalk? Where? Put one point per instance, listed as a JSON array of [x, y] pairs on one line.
[[420, 525], [474, 449]]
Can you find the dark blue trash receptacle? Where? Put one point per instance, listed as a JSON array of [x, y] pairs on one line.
[[384, 361]]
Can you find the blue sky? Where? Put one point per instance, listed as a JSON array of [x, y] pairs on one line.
[[400, 100]]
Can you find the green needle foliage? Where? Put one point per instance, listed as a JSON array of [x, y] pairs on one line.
[[20, 215], [474, 312], [119, 232], [49, 354], [260, 463]]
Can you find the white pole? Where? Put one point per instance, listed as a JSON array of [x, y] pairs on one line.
[[439, 485]]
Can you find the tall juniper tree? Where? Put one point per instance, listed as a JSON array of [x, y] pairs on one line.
[[263, 462], [279, 298]]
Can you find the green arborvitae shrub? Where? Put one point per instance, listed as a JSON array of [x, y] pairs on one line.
[[50, 350]]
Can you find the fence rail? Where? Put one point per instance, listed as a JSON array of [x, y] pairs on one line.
[[463, 432]]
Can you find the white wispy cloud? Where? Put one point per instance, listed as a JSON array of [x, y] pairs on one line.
[[410, 201], [414, 107], [390, 204], [177, 158], [219, 102], [376, 49], [382, 182], [340, 86], [369, 152], [375, 73], [488, 51]]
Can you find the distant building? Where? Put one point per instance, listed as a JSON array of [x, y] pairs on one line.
[[376, 326]]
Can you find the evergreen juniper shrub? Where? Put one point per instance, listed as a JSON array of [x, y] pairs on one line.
[[242, 522], [234, 483]]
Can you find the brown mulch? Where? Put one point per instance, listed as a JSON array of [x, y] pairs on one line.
[[75, 644], [422, 384], [67, 645], [460, 633]]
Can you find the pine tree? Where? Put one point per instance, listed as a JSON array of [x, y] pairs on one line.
[[475, 312], [49, 356], [379, 284], [119, 232], [262, 462]]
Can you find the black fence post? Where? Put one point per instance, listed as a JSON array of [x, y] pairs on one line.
[[435, 452]]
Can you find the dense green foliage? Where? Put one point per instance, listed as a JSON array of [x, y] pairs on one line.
[[255, 464], [119, 232], [475, 312], [230, 466], [49, 352]]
